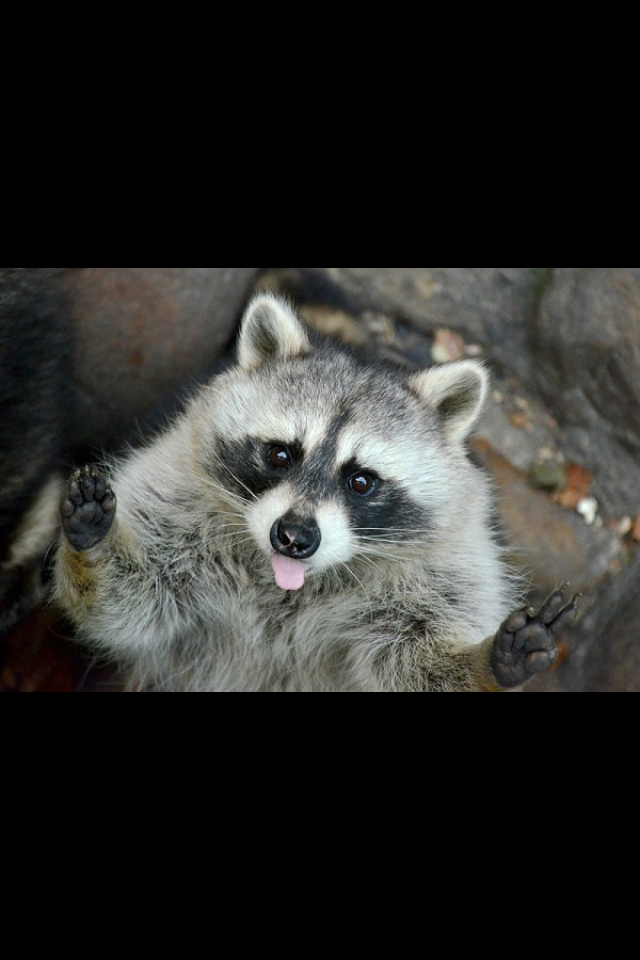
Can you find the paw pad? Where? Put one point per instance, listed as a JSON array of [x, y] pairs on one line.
[[87, 509]]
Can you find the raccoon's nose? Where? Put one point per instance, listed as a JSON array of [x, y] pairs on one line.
[[295, 538]]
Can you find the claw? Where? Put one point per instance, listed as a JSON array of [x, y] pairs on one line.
[[566, 617], [553, 605]]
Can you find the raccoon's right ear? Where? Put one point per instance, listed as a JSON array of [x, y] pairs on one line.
[[270, 329]]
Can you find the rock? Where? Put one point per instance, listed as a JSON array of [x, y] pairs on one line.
[[547, 544], [447, 346], [587, 363], [577, 487], [524, 439], [146, 333], [493, 306], [548, 476]]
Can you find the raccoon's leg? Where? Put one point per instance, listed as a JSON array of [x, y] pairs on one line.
[[525, 644]]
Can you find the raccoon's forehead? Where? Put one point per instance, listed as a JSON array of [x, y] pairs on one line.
[[355, 413], [277, 407]]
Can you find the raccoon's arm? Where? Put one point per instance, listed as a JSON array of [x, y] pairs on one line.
[[524, 646], [105, 576], [439, 666]]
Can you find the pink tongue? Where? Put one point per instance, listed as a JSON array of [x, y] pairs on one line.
[[290, 574]]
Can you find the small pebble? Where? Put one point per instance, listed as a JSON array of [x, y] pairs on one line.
[[625, 526], [447, 346], [548, 476], [588, 510]]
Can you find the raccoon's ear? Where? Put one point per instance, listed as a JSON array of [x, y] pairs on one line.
[[270, 329], [456, 393]]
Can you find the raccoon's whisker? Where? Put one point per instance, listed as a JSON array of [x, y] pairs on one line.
[[227, 536], [375, 563], [380, 555], [232, 513], [240, 518], [363, 556], [377, 540], [224, 492], [393, 543], [232, 474], [391, 530], [388, 556], [231, 523], [225, 526], [349, 570], [246, 540], [216, 538], [385, 529], [396, 540], [366, 556]]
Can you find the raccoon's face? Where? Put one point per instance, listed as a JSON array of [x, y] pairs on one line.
[[328, 461]]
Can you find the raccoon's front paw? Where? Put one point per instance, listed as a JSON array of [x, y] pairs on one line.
[[525, 644], [87, 509]]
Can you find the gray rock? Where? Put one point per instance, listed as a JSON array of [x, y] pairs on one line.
[[547, 544], [146, 333], [602, 653], [494, 306], [587, 362]]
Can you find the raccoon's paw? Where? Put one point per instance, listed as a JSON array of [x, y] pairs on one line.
[[525, 644], [87, 509]]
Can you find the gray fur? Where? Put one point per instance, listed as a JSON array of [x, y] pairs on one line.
[[182, 590]]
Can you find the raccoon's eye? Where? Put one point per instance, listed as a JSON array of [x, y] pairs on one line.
[[362, 483], [280, 456]]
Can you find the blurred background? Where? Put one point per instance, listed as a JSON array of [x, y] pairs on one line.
[[94, 357]]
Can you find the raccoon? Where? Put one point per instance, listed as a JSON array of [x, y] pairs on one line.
[[311, 522]]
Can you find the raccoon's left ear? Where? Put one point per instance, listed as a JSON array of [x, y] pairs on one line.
[[456, 393], [270, 329]]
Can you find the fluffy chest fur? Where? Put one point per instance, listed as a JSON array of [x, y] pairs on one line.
[[219, 622]]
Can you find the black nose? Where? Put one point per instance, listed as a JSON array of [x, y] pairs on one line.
[[296, 538]]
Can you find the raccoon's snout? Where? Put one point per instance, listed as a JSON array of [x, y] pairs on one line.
[[296, 538]]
